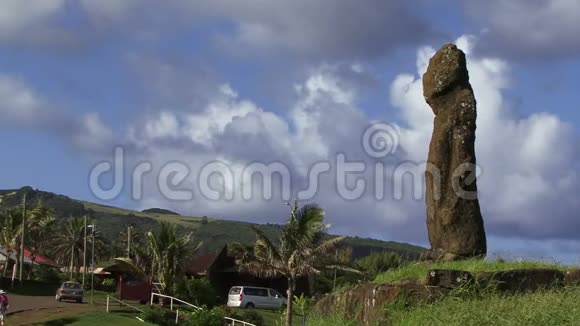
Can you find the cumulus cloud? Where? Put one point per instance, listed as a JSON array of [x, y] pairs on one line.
[[23, 107], [529, 29]]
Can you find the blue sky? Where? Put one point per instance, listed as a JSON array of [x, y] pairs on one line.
[[295, 82]]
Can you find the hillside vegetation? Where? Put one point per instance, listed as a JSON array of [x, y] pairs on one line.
[[214, 233], [468, 304]]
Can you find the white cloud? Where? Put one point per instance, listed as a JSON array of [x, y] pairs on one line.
[[17, 15], [23, 107], [19, 104], [529, 29]]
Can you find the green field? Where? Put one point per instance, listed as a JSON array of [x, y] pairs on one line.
[[557, 307]]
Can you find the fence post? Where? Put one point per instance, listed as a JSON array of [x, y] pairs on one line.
[[152, 295], [171, 304], [177, 317], [107, 303]]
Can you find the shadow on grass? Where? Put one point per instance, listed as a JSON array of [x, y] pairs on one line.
[[61, 322]]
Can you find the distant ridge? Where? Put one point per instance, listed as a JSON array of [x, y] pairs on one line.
[[160, 211], [214, 233]]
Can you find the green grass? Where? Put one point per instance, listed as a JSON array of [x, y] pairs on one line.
[[556, 307], [330, 321], [274, 317], [419, 270], [95, 319]]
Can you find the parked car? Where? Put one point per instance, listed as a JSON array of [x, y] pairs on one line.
[[70, 291], [255, 297]]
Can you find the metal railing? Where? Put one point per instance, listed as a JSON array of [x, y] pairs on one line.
[[229, 321], [123, 303], [172, 299], [233, 322]]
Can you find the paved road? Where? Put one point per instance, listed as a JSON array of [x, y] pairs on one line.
[[19, 303]]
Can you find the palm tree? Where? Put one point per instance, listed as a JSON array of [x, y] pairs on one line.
[[300, 251], [10, 230], [170, 253], [68, 243], [140, 252], [39, 232]]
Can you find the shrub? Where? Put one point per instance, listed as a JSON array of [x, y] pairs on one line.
[[46, 274], [205, 317], [108, 282], [379, 262], [158, 316], [199, 292], [250, 316]]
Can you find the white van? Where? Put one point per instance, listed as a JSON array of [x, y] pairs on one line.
[[255, 297]]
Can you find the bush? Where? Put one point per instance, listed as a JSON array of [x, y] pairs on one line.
[[46, 274], [250, 316], [199, 292], [204, 317], [158, 316], [379, 262]]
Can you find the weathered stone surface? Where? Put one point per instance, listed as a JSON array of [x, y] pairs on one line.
[[572, 278], [438, 254], [454, 220], [522, 280], [448, 278], [366, 302]]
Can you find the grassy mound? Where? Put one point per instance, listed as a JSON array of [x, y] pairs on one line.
[[554, 307], [419, 270]]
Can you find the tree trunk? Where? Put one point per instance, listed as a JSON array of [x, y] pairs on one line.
[[32, 259], [7, 262], [17, 265], [72, 259], [289, 307]]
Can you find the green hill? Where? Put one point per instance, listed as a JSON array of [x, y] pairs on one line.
[[214, 233]]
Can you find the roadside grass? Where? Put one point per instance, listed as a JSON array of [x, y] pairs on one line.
[[94, 319], [274, 317], [419, 270], [333, 320], [549, 307]]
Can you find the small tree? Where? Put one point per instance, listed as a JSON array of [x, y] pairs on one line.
[[299, 251], [199, 292], [39, 233], [170, 252]]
